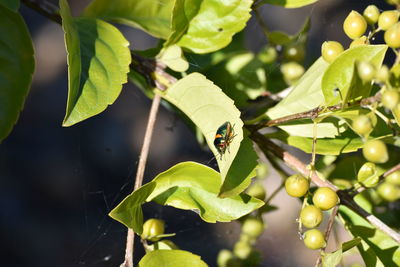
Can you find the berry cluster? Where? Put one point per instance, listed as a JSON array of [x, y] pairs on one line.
[[324, 198]]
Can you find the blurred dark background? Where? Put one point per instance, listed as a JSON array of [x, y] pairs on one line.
[[58, 184]]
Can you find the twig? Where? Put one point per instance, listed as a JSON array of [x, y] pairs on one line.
[[314, 113], [130, 238], [44, 8], [327, 233], [268, 146]]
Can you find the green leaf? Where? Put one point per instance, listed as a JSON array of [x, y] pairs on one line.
[[345, 143], [16, 68], [204, 26], [350, 244], [171, 258], [11, 4], [333, 259], [342, 74], [188, 186], [173, 57], [161, 245], [376, 248], [208, 108], [154, 17], [306, 95], [241, 77], [98, 62], [290, 3], [279, 38]]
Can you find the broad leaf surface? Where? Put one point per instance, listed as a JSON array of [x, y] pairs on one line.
[[341, 74], [152, 16], [346, 142], [173, 57], [242, 77], [204, 26], [333, 259], [11, 4], [290, 3], [171, 258], [98, 63], [306, 95], [16, 68], [188, 186], [208, 108], [377, 248]]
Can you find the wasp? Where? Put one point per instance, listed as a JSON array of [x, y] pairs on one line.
[[223, 137]]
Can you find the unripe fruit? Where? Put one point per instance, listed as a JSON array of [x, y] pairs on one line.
[[359, 41], [256, 190], [388, 191], [314, 239], [390, 98], [325, 198], [253, 227], [242, 250], [392, 36], [294, 53], [311, 216], [366, 71], [375, 151], [362, 125], [368, 175], [292, 71], [382, 74], [396, 113], [152, 228], [371, 14], [393, 178], [330, 50], [223, 258], [296, 185], [354, 25], [387, 19], [267, 55]]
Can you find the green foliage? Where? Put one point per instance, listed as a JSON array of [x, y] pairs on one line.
[[208, 25], [188, 186], [376, 247], [304, 96], [201, 100], [325, 112], [11, 4], [333, 259], [171, 258], [341, 74], [98, 62], [290, 3], [16, 67], [154, 17]]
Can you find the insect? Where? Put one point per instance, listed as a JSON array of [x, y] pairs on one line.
[[223, 137]]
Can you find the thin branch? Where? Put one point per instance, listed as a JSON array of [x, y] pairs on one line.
[[268, 146], [130, 238], [327, 233], [315, 112], [44, 8]]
